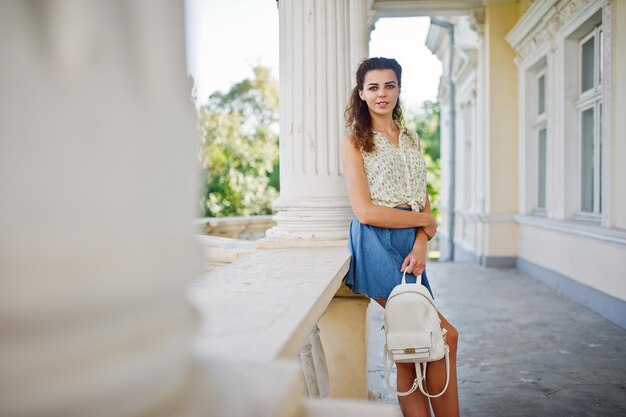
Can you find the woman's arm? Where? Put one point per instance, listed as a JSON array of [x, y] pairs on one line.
[[429, 232], [359, 195], [415, 261]]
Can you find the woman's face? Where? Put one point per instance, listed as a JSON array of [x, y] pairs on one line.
[[380, 91]]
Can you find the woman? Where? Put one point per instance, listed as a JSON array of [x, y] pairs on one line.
[[386, 180]]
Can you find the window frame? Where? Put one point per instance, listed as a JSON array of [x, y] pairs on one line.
[[592, 98], [539, 123]]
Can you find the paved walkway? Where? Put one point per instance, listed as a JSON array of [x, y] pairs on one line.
[[524, 350]]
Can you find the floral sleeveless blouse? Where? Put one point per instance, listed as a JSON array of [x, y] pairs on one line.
[[396, 175]]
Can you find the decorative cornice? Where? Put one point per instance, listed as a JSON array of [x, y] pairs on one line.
[[468, 63], [477, 20], [529, 20], [434, 38], [541, 23]]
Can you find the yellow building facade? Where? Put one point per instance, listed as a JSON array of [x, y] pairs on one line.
[[537, 182]]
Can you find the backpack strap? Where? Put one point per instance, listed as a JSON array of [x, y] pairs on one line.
[[419, 376], [388, 368]]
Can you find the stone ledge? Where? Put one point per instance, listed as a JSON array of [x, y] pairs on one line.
[[267, 303], [220, 251]]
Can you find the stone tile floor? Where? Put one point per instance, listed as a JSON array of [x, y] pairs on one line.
[[524, 350]]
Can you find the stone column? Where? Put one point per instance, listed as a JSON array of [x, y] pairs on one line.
[[320, 44], [98, 183]]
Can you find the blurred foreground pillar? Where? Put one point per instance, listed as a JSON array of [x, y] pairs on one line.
[[98, 186], [321, 43]]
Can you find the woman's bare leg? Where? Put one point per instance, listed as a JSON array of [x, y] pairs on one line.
[[416, 404], [448, 404]]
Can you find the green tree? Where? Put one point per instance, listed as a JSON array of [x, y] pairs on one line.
[[426, 123], [240, 147]]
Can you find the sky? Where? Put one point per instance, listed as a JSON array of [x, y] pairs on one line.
[[225, 39]]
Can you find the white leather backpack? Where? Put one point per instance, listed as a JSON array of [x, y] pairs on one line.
[[413, 333]]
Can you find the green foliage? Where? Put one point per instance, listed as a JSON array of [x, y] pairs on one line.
[[240, 147], [426, 123]]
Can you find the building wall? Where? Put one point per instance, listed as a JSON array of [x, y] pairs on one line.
[[505, 221], [586, 250], [597, 264], [524, 5], [485, 78], [500, 135], [501, 92]]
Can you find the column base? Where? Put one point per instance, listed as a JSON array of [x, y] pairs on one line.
[[322, 221]]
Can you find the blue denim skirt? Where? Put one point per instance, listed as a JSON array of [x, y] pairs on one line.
[[377, 255]]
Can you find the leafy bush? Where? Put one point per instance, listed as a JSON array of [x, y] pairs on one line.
[[240, 147], [426, 123]]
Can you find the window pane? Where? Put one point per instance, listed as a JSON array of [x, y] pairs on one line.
[[586, 162], [542, 94], [587, 65], [600, 60], [541, 186]]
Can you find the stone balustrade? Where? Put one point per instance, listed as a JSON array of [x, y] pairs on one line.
[[270, 301], [285, 304], [343, 311]]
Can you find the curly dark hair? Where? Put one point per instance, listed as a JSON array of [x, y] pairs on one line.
[[357, 113]]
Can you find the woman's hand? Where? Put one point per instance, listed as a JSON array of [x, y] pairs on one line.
[[415, 262]]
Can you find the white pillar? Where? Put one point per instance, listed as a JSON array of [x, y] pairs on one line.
[[320, 44], [97, 148]]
